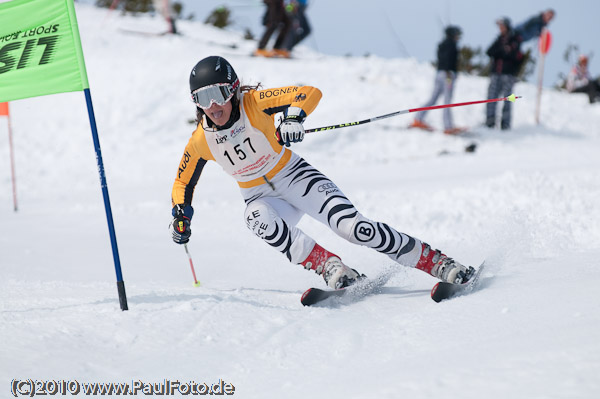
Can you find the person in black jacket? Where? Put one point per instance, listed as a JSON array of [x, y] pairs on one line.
[[275, 18], [506, 59], [447, 66]]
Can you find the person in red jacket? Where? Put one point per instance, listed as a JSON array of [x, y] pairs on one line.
[[236, 130]]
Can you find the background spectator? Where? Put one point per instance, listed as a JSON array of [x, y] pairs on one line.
[[164, 8], [579, 80], [506, 60], [532, 27], [274, 18], [299, 26], [447, 64]]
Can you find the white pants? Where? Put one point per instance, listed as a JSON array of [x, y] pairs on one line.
[[444, 83], [274, 209]]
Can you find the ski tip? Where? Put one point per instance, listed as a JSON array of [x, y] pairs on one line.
[[304, 297], [433, 291]]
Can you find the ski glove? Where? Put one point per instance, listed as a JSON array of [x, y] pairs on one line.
[[291, 130], [181, 223]]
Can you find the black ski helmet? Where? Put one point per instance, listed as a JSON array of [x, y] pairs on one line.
[[212, 70]]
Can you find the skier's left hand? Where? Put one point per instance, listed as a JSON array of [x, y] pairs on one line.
[[182, 218], [181, 230], [291, 130]]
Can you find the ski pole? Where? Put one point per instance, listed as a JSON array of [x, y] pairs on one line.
[[510, 98], [196, 282]]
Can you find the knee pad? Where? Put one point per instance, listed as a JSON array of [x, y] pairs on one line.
[[260, 218]]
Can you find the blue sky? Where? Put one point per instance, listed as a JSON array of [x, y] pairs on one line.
[[400, 28]]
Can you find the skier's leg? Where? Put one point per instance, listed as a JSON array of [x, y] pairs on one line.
[[448, 91], [284, 25], [274, 221], [316, 195], [404, 249], [438, 88], [270, 22]]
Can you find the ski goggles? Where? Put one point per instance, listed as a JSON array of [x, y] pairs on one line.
[[218, 93]]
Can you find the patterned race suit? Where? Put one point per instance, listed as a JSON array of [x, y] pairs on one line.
[[279, 186]]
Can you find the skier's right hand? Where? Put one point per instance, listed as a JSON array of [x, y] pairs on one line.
[[181, 223], [291, 130]]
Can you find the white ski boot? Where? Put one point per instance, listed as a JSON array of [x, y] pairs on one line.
[[446, 269], [337, 275]]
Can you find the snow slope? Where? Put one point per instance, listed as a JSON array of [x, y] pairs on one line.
[[527, 201]]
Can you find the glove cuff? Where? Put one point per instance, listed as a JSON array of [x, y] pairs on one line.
[[294, 113], [184, 210]]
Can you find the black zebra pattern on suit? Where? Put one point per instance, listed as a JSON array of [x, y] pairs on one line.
[[342, 208], [274, 209], [281, 239]]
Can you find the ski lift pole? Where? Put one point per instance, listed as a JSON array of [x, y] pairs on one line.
[[510, 98]]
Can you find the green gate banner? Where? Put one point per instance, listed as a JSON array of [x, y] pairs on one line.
[[40, 49]]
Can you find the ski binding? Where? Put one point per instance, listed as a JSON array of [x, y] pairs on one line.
[[442, 290]]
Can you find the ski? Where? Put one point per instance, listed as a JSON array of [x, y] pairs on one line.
[[442, 290], [457, 131], [144, 33], [365, 286], [316, 295]]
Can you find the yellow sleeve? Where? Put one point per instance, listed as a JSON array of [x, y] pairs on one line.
[[192, 162], [271, 101], [262, 105]]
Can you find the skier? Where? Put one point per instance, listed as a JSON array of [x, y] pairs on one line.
[[236, 130], [447, 65]]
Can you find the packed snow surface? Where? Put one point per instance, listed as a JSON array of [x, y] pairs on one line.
[[527, 201]]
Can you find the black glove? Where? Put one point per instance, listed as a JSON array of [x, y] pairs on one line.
[[291, 130], [181, 223]]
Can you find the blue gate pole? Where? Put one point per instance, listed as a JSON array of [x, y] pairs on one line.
[[109, 218]]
